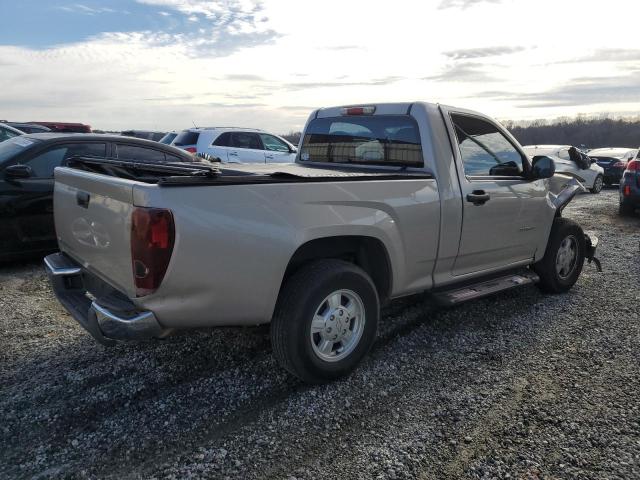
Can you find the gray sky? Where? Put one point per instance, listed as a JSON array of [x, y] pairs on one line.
[[163, 64]]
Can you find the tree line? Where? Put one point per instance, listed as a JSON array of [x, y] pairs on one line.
[[580, 131]]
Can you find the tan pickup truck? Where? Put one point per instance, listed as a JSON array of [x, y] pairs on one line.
[[383, 201]]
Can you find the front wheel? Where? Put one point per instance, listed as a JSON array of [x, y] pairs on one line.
[[563, 259], [597, 184], [325, 321]]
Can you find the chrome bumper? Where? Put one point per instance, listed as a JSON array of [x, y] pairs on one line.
[[106, 319]]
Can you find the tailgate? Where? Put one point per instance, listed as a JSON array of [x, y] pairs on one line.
[[93, 223]]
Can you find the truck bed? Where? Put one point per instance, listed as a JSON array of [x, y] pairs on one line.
[[237, 174]]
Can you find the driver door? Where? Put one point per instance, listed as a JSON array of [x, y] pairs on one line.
[[502, 210]]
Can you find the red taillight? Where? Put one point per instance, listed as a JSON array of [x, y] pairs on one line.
[[152, 238], [626, 190], [358, 110], [193, 150], [633, 166]]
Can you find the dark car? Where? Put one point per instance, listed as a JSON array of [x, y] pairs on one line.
[[613, 161], [28, 127], [146, 134], [65, 127], [26, 181], [630, 188]]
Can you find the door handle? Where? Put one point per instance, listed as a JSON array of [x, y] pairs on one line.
[[478, 197], [233, 154], [82, 199]]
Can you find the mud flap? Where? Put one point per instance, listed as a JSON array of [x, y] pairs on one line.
[[591, 243]]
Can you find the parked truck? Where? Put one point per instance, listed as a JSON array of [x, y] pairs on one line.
[[383, 201]]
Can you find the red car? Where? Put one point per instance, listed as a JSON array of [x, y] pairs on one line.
[[65, 127]]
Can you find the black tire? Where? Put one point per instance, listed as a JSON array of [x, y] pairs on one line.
[[597, 184], [625, 209], [300, 298], [551, 280]]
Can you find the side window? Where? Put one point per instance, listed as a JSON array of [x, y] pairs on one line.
[[484, 149], [86, 150], [246, 140], [132, 152], [224, 140], [44, 163], [173, 158], [273, 143]]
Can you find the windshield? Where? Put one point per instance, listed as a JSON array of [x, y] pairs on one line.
[[168, 138], [363, 140], [13, 146], [610, 153]]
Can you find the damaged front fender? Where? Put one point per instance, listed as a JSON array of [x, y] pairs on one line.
[[570, 188]]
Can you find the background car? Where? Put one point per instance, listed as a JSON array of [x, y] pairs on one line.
[[7, 132], [613, 161], [168, 138], [27, 163], [236, 145], [28, 127], [592, 177], [65, 127], [146, 134], [630, 187]]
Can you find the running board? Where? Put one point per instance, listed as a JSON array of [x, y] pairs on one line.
[[484, 288]]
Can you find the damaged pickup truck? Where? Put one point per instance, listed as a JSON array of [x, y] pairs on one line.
[[383, 201]]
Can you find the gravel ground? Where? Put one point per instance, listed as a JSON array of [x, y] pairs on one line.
[[519, 385]]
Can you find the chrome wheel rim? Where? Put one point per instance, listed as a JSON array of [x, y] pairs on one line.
[[566, 257], [598, 184], [337, 325]]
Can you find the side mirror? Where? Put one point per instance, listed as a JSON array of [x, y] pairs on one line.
[[18, 171], [543, 167], [294, 149]]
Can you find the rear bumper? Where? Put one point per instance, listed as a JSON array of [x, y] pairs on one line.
[[108, 318], [613, 175]]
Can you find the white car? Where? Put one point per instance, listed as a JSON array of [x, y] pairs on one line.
[[236, 145], [591, 177]]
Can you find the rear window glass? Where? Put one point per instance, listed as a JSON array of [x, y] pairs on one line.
[[132, 152], [363, 140], [186, 138]]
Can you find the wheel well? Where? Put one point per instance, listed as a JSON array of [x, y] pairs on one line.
[[368, 253]]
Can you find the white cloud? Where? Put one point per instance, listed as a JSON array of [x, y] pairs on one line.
[[235, 68]]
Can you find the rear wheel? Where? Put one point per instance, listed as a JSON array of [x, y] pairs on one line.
[[325, 321], [562, 263], [597, 184]]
